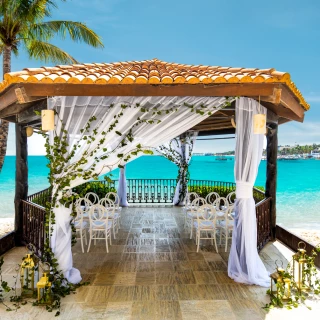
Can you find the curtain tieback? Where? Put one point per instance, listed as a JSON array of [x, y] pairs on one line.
[[243, 190]]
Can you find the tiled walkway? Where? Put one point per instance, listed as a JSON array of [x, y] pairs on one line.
[[153, 272]]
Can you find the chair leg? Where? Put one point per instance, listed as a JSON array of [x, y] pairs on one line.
[[198, 237], [81, 239], [109, 231], [90, 241], [191, 231], [227, 236], [106, 233], [215, 241], [220, 237], [114, 233]]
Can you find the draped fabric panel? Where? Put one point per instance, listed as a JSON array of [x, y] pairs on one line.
[[122, 188], [183, 145], [245, 265], [74, 113]]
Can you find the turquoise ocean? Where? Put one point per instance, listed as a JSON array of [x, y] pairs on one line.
[[298, 192]]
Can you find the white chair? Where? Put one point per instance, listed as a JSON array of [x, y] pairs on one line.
[[193, 214], [84, 205], [110, 211], [99, 225], [221, 205], [212, 197], [231, 197], [187, 207], [93, 197], [80, 224], [116, 200], [226, 226], [206, 222]]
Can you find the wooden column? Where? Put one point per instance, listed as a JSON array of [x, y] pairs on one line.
[[21, 179], [271, 181]]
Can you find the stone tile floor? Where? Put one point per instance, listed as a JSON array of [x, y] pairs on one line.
[[153, 271]]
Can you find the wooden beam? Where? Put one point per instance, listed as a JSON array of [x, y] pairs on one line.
[[229, 89], [30, 115], [290, 102], [21, 179], [7, 98], [216, 132], [271, 181]]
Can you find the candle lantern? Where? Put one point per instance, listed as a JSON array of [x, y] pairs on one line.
[[29, 274], [47, 119], [299, 267], [259, 124], [280, 285], [44, 288]]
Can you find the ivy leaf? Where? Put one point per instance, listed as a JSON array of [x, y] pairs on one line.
[[118, 133]]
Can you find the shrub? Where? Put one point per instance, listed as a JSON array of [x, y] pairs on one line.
[[98, 187]]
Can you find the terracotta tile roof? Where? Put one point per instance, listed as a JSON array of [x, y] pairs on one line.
[[149, 72]]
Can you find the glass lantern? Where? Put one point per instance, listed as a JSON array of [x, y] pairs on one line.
[[44, 288], [29, 275], [299, 265], [279, 279]]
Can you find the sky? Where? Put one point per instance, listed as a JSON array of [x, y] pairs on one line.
[[280, 34]]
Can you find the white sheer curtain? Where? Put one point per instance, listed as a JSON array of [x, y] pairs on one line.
[[122, 187], [245, 265], [183, 145], [74, 113]]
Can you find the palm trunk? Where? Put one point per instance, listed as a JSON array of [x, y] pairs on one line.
[[4, 125]]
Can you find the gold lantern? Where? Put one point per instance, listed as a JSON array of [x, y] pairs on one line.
[[47, 119], [29, 274], [280, 285], [29, 131], [299, 266], [259, 124], [44, 288]]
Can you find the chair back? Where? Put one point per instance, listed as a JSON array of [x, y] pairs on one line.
[[212, 197], [228, 216], [97, 216], [82, 206], [221, 204], [231, 197], [108, 205], [196, 203], [206, 216], [114, 198], [190, 197], [93, 197]]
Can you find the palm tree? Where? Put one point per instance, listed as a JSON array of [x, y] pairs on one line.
[[24, 25]]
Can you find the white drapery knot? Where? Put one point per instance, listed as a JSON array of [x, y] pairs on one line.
[[244, 190]]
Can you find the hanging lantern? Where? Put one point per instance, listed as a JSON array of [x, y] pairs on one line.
[[29, 131], [299, 267], [44, 288], [29, 274], [259, 124], [47, 118], [280, 285]]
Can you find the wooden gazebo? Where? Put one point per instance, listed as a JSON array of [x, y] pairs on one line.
[[24, 92]]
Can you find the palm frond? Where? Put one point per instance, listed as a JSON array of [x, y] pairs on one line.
[[47, 52], [77, 31]]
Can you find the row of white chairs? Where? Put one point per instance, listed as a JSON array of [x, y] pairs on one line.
[[210, 214], [99, 216]]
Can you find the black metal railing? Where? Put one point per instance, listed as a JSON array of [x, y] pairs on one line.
[[41, 197], [33, 230]]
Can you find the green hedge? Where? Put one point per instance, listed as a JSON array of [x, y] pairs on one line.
[[97, 187], [203, 191]]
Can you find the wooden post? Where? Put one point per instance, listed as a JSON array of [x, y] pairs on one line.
[[271, 181], [21, 179]]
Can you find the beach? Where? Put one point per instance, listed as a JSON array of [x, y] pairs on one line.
[[6, 226]]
